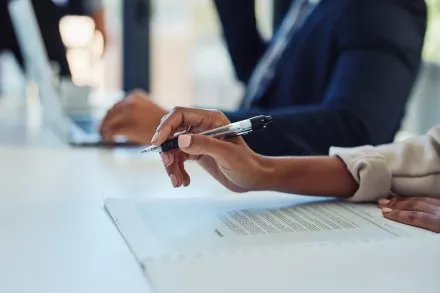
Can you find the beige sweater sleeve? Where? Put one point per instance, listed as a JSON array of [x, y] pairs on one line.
[[407, 168]]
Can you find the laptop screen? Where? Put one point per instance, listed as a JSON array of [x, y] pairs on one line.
[[36, 61]]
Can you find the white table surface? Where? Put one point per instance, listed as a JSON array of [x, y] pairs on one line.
[[57, 237], [55, 234]]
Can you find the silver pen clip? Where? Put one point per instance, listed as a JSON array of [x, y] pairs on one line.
[[244, 132], [238, 134]]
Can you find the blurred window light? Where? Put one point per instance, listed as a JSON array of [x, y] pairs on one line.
[[84, 47], [77, 31], [432, 40], [80, 66]]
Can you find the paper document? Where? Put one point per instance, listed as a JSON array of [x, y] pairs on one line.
[[241, 244], [175, 228], [311, 218]]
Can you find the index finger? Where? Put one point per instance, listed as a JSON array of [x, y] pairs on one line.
[[416, 219], [422, 204], [197, 119]]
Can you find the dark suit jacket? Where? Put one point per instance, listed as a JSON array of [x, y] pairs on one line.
[[344, 79], [48, 15]]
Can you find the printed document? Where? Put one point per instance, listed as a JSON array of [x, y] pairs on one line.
[[170, 228], [278, 244]]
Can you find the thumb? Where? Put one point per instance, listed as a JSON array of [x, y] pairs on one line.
[[221, 151]]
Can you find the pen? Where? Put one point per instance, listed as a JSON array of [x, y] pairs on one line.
[[232, 130]]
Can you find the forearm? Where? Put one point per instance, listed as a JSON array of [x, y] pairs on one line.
[[318, 176]]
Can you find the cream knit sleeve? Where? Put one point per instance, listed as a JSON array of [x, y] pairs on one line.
[[407, 168]]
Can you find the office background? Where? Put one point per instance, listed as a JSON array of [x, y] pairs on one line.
[[188, 62]]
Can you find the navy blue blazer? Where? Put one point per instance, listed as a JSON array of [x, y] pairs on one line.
[[344, 79]]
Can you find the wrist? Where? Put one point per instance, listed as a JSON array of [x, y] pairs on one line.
[[319, 176], [269, 173]]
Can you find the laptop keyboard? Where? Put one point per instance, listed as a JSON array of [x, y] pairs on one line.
[[87, 123], [90, 125]]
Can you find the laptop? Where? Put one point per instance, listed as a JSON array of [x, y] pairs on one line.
[[78, 130]]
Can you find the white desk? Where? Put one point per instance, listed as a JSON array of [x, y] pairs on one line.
[[57, 237], [55, 233], [20, 124]]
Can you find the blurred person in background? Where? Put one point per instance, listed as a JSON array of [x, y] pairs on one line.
[[404, 177], [92, 8], [49, 14], [336, 73]]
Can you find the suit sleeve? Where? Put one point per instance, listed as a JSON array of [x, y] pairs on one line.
[[370, 84], [244, 43], [409, 168], [378, 63], [303, 131]]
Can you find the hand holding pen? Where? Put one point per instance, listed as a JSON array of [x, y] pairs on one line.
[[240, 128], [212, 152]]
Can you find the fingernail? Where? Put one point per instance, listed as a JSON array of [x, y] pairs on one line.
[[184, 141], [174, 180], [386, 210], [155, 137], [384, 201], [165, 159]]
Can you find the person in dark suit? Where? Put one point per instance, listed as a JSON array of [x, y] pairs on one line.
[[49, 14], [336, 73]]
